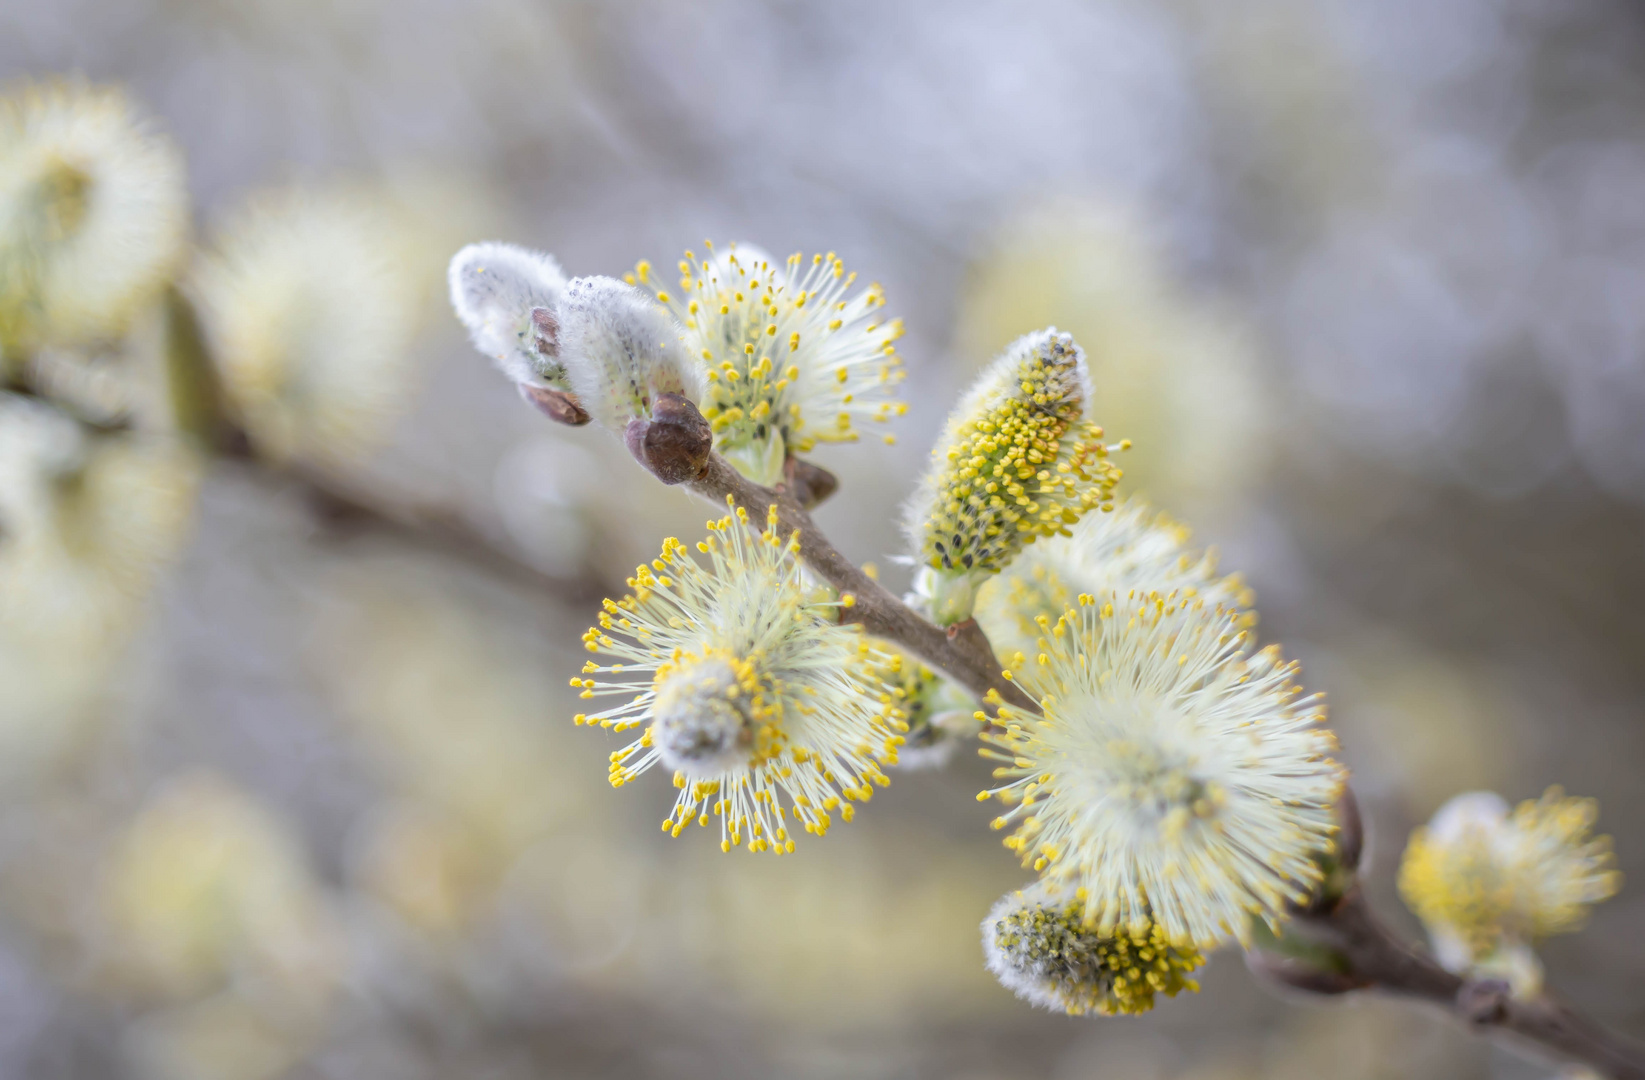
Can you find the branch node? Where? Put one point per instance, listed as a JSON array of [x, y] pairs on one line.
[[1484, 1002], [674, 443]]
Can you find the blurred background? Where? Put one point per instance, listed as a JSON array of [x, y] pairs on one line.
[[1364, 282]]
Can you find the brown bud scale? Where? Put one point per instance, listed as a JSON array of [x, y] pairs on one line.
[[561, 406]]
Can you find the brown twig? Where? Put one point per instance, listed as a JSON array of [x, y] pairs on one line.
[[963, 654], [1367, 955]]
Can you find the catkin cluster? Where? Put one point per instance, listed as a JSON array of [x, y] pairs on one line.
[[1170, 781]]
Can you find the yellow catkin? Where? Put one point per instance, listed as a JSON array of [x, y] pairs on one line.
[[936, 712], [1042, 948], [745, 684], [1133, 548], [1169, 770], [794, 358], [1493, 878], [1017, 462]]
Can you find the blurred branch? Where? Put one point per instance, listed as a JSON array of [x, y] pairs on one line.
[[1365, 954], [16, 378], [201, 412], [344, 508], [201, 407]]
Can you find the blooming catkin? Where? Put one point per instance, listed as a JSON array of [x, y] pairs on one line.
[[1172, 775], [86, 524], [938, 713], [1487, 882], [1038, 944], [1016, 462], [311, 322], [1133, 548], [747, 686], [93, 214], [792, 357]]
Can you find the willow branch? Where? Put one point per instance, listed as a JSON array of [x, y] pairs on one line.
[[961, 652], [201, 406], [344, 507], [1363, 953], [1368, 956], [202, 414]]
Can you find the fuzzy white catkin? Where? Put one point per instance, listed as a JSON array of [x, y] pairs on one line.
[[621, 350], [85, 526], [771, 711], [93, 213], [1134, 548], [1175, 775], [494, 288], [311, 320]]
